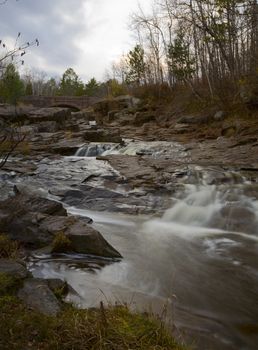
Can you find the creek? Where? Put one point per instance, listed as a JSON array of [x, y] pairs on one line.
[[196, 263]]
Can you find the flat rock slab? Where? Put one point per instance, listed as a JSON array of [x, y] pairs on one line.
[[20, 168], [36, 294], [27, 203], [13, 268], [46, 114]]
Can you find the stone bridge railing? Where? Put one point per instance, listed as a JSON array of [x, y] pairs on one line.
[[76, 102]]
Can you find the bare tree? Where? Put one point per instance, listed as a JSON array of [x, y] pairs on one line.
[[221, 38], [10, 135]]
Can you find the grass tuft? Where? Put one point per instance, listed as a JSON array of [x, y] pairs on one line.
[[113, 328], [61, 243], [8, 249], [8, 284]]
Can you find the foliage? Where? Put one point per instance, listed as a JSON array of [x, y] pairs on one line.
[[105, 328], [51, 87], [91, 88], [115, 88], [70, 84], [200, 43], [11, 85], [181, 65], [153, 93], [28, 89], [136, 65], [61, 243]]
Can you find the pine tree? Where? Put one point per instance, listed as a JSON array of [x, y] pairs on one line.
[[12, 87], [136, 66]]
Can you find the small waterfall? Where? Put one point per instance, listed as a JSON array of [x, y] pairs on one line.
[[155, 149], [94, 149], [209, 209], [197, 208]]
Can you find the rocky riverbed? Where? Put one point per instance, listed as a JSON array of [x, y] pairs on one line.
[[176, 197]]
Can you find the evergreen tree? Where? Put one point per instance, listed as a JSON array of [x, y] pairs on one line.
[[70, 84], [136, 66], [91, 88], [11, 85], [181, 65]]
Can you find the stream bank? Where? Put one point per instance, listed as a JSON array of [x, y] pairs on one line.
[[182, 214]]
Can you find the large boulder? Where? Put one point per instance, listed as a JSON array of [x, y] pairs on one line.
[[14, 269], [37, 295], [23, 202], [66, 147], [11, 113], [36, 222], [82, 238], [58, 114]]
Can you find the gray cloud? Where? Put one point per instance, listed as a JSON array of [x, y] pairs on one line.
[[84, 34]]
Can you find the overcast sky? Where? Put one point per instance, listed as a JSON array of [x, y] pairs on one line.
[[86, 35]]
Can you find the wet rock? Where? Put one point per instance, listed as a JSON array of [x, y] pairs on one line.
[[66, 147], [58, 286], [36, 221], [24, 202], [86, 192], [84, 239], [23, 168], [234, 218], [36, 294], [38, 231], [49, 114], [239, 219], [13, 268], [21, 216]]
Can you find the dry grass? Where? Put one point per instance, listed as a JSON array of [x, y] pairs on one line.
[[8, 249], [61, 243], [113, 328]]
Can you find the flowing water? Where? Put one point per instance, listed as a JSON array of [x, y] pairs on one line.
[[199, 259]]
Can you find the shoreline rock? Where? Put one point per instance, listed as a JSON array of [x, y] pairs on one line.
[[35, 222]]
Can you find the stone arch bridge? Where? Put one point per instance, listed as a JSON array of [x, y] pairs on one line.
[[75, 102]]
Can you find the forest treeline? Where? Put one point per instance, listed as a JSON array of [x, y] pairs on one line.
[[209, 47]]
